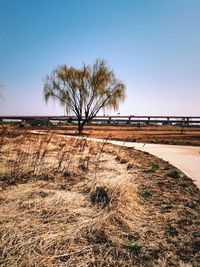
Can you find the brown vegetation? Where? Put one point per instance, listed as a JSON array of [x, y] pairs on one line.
[[85, 91], [171, 134], [70, 202], [144, 134]]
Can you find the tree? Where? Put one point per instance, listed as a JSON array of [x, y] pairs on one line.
[[85, 91]]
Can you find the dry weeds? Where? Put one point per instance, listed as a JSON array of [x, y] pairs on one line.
[[69, 202], [145, 134]]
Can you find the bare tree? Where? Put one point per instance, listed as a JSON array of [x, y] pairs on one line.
[[85, 91]]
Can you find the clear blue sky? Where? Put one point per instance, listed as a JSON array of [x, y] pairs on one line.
[[152, 45]]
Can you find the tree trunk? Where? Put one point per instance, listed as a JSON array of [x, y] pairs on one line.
[[182, 129], [80, 127]]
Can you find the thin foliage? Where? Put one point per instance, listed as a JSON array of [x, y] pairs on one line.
[[85, 91]]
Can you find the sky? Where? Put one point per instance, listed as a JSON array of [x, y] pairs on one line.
[[153, 46]]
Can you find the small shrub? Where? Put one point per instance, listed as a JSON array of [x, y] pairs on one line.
[[192, 204], [83, 166], [167, 167], [130, 166], [145, 194], [171, 230], [134, 248], [66, 174], [44, 177], [100, 197], [154, 167], [8, 180], [64, 258], [174, 174]]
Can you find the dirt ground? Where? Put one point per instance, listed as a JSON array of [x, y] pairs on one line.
[[144, 134], [168, 134], [147, 134], [71, 202]]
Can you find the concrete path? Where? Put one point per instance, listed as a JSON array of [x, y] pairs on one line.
[[185, 158]]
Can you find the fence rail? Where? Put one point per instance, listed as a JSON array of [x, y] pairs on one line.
[[165, 120]]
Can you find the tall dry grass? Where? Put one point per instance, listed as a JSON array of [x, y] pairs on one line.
[[54, 213], [70, 202]]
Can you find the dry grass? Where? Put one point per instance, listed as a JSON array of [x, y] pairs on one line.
[[145, 134], [160, 134], [69, 202]]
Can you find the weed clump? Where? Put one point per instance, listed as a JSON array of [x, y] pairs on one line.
[[7, 180], [44, 177], [66, 174], [134, 248], [101, 197], [130, 166], [192, 204], [83, 167], [174, 174], [154, 167], [145, 194], [171, 230]]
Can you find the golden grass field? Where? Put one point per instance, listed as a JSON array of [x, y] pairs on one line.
[[72, 202]]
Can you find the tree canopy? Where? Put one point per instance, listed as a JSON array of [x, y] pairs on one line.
[[85, 91]]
